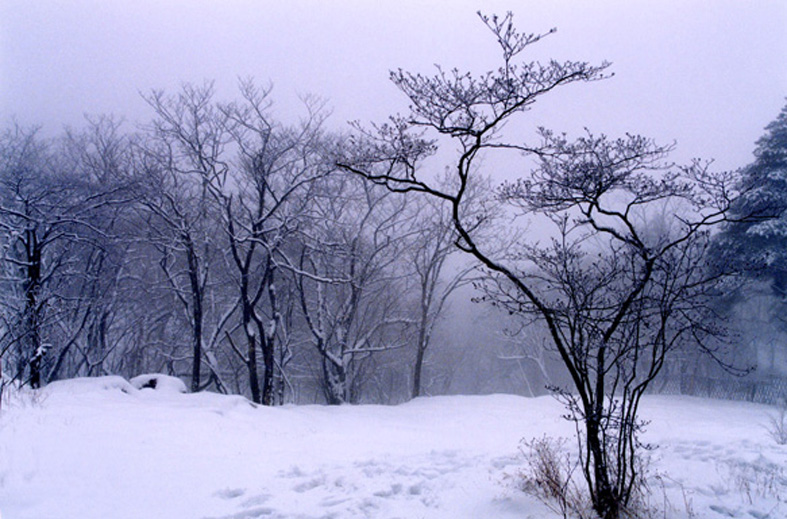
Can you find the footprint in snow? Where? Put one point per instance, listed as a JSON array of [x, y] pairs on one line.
[[251, 513], [309, 485], [229, 493]]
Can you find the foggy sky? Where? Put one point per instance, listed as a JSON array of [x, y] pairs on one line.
[[708, 74]]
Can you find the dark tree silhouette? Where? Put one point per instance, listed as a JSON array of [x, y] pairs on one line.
[[615, 295]]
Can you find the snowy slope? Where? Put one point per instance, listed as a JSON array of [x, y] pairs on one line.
[[101, 448]]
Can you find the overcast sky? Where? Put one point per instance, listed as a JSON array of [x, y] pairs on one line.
[[709, 74]]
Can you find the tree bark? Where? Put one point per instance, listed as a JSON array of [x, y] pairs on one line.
[[33, 324], [196, 315]]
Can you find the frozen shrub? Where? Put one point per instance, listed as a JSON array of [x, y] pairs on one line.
[[777, 425], [548, 476]]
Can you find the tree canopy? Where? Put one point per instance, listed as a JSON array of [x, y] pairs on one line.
[[755, 237]]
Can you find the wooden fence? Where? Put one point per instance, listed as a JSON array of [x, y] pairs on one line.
[[771, 391]]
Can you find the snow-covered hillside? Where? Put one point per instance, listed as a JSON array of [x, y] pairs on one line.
[[101, 448]]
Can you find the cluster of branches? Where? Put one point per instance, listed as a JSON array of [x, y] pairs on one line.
[[215, 244], [617, 293]]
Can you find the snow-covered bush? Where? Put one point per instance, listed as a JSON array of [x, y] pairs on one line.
[[81, 385], [159, 382]]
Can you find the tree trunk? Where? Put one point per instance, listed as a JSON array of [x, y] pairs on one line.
[[605, 501], [251, 345], [421, 351], [33, 324], [267, 345], [335, 380], [251, 365], [196, 316], [419, 363]]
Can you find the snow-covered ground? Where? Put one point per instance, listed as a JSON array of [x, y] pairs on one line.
[[104, 449]]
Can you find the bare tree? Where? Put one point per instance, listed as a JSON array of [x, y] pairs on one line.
[[181, 158], [432, 244], [231, 172], [29, 232], [614, 302], [56, 217], [618, 298], [93, 322], [348, 279], [526, 345], [275, 169]]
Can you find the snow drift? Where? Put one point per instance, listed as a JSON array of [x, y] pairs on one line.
[[102, 448]]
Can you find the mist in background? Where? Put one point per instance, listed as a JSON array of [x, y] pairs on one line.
[[708, 74]]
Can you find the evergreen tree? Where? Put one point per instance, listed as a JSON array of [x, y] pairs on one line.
[[758, 236]]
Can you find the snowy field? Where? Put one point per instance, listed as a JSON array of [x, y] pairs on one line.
[[102, 449]]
